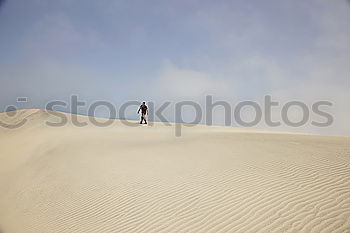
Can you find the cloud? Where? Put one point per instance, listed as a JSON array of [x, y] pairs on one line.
[[178, 83], [55, 35]]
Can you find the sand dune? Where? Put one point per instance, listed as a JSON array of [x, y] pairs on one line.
[[144, 179]]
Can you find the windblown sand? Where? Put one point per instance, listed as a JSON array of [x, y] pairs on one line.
[[144, 179]]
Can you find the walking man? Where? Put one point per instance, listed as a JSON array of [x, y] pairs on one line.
[[144, 111]]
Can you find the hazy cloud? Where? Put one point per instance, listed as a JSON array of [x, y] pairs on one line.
[[180, 83]]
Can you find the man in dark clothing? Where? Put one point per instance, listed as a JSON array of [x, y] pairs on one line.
[[144, 112]]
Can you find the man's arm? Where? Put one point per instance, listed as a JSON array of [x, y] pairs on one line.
[[139, 110]]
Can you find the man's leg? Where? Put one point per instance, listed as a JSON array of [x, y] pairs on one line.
[[144, 117]]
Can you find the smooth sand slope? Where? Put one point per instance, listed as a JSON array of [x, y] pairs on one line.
[[144, 179]]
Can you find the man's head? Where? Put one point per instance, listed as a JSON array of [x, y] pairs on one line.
[[143, 102]]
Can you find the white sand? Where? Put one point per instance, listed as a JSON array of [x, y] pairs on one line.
[[144, 179]]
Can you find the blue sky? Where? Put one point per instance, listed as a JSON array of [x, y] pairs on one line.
[[121, 50]]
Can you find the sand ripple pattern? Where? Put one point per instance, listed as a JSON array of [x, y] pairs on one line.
[[145, 180]]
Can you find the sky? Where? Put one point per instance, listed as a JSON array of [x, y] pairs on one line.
[[122, 50]]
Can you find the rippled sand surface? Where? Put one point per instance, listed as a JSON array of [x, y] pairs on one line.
[[144, 179]]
